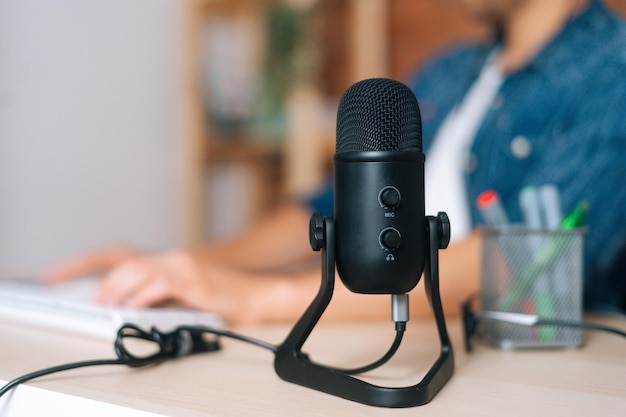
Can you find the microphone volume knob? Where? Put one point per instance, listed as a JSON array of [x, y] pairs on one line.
[[390, 238], [389, 197]]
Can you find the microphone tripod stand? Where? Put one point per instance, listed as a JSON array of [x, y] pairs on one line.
[[292, 365]]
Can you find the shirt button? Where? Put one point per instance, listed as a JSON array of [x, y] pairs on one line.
[[498, 102], [521, 147], [470, 163]]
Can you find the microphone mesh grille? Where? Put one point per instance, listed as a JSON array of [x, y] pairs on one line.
[[378, 114]]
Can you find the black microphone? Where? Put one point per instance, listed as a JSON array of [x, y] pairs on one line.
[[381, 228]]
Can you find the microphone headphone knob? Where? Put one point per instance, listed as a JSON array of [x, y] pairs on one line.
[[390, 238]]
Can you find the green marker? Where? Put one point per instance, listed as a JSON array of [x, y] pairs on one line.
[[575, 218]]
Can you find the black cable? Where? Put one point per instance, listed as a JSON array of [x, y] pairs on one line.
[[182, 341], [400, 327], [581, 325], [232, 335], [54, 369]]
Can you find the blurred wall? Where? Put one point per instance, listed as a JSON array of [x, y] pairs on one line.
[[87, 128]]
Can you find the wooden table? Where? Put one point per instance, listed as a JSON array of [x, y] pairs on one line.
[[240, 380]]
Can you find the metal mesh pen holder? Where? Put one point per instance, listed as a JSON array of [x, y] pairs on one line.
[[532, 272]]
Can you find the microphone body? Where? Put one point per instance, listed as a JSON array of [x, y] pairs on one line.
[[380, 221], [381, 231]]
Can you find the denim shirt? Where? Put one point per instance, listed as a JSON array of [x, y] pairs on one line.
[[561, 120]]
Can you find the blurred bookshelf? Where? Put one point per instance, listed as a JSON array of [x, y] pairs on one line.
[[253, 74]]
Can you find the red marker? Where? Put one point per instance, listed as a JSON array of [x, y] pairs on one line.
[[491, 209]]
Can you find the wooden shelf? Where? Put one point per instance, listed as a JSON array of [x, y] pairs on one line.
[[232, 7], [241, 150]]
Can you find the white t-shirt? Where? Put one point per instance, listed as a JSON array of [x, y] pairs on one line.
[[449, 154]]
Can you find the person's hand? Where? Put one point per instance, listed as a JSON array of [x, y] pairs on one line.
[[139, 280], [179, 277]]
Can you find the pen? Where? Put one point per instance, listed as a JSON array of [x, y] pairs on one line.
[[576, 218], [544, 306], [550, 204], [492, 212], [556, 296], [491, 209], [531, 209]]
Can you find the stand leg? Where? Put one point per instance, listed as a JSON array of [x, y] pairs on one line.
[[292, 365]]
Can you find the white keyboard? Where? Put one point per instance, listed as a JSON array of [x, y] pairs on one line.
[[68, 307]]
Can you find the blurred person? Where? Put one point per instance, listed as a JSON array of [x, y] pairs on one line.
[[543, 103]]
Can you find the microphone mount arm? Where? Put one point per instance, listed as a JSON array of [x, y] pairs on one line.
[[292, 365]]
